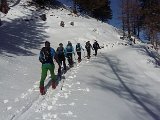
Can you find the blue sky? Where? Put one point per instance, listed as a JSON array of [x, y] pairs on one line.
[[115, 6]]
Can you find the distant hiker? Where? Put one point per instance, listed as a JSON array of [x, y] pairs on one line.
[[96, 47], [88, 47], [69, 51], [46, 58], [61, 57], [78, 50]]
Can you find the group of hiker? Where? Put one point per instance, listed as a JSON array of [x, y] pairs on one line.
[[47, 54]]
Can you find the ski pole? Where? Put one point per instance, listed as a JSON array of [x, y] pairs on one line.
[[62, 84], [75, 59], [84, 54]]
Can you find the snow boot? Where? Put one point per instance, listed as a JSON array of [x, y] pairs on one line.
[[79, 60], [54, 84], [42, 90]]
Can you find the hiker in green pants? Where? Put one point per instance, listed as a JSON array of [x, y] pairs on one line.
[[47, 54]]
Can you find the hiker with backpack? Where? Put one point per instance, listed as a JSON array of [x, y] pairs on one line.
[[61, 57], [69, 52], [96, 47], [78, 50], [88, 47], [47, 54]]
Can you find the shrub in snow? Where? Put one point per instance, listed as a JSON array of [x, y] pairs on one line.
[[43, 17], [62, 24], [72, 23]]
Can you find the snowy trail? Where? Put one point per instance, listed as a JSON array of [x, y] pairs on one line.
[[106, 89], [121, 83]]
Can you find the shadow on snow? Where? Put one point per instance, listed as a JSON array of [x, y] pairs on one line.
[[125, 87], [19, 37]]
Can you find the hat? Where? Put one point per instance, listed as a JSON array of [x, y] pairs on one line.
[[60, 44], [47, 42]]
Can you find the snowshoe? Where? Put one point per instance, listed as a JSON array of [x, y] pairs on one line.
[[54, 84], [42, 90], [79, 60]]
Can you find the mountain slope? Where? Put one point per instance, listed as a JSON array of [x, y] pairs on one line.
[[121, 83]]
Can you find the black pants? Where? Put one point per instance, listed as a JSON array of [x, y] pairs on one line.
[[79, 55], [95, 51], [70, 59], [62, 60], [88, 53]]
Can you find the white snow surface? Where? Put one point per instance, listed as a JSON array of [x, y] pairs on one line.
[[120, 83]]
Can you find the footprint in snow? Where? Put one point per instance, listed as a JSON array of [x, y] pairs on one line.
[[9, 108], [70, 77], [74, 76], [35, 86], [5, 101], [72, 73], [69, 113], [23, 95], [86, 90], [49, 116], [60, 105], [72, 104], [16, 100], [50, 108], [30, 90], [69, 85], [78, 83], [87, 62]]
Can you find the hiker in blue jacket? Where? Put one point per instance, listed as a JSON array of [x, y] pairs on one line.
[[69, 53], [47, 54], [78, 50]]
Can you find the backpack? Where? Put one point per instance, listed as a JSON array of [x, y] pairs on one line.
[[45, 55], [78, 48], [60, 51], [95, 45], [87, 46], [69, 48]]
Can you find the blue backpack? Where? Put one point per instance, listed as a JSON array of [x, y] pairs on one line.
[[69, 48], [45, 55]]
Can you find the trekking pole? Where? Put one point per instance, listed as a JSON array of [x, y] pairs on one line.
[[62, 84], [75, 59], [63, 81]]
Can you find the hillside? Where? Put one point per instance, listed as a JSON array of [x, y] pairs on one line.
[[121, 83]]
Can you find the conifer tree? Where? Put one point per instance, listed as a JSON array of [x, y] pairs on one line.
[[100, 9]]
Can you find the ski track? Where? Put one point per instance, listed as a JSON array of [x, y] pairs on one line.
[[39, 103]]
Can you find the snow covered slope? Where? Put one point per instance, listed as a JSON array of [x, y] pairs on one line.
[[121, 83]]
